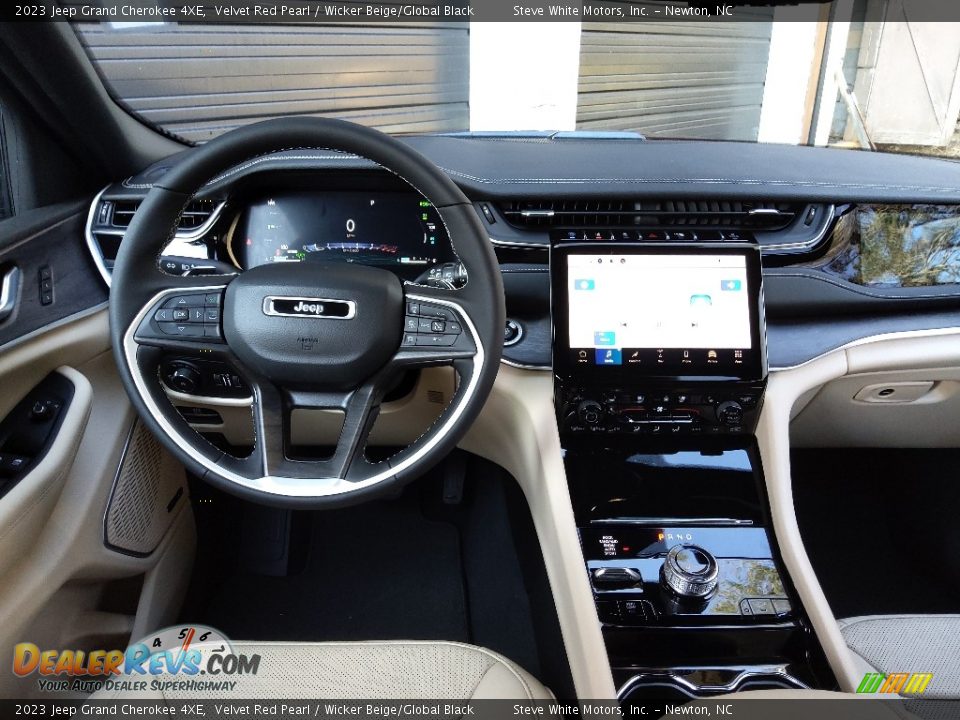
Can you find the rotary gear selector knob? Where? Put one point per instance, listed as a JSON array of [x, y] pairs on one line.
[[689, 571]]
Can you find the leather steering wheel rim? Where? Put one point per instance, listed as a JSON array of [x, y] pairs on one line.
[[270, 476]]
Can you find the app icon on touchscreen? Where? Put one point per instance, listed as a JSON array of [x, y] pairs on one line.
[[585, 284], [609, 357]]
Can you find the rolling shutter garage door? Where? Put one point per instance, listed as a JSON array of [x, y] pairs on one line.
[[199, 81], [684, 79]]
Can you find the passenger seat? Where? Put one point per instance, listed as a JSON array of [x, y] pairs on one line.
[[909, 644]]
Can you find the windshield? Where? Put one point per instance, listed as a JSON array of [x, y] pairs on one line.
[[825, 74]]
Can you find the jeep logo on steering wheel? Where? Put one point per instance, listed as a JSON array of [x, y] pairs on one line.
[[305, 307], [302, 308]]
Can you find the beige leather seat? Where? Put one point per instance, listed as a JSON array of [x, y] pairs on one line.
[[364, 670], [909, 643]]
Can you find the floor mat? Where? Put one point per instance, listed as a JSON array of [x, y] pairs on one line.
[[454, 557], [377, 571], [878, 527]]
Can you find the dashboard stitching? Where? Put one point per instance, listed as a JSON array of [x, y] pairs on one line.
[[713, 181], [952, 191]]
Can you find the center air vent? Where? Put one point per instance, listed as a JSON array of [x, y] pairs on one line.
[[581, 213], [121, 213]]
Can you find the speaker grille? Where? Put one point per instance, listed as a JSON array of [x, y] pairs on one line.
[[147, 492]]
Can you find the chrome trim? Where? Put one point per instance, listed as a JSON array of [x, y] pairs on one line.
[[287, 486], [673, 522], [805, 244], [204, 227], [537, 213], [870, 339], [9, 289], [672, 678], [518, 243], [519, 336], [269, 309], [97, 253], [523, 366], [176, 395], [92, 244]]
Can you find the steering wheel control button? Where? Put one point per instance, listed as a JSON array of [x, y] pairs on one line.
[[429, 329], [186, 330], [436, 340], [689, 571], [434, 311], [185, 301]]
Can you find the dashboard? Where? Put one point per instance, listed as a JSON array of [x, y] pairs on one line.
[[394, 230], [849, 256]]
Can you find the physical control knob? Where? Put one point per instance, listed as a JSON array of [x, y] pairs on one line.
[[689, 571], [184, 378], [589, 412], [730, 412]]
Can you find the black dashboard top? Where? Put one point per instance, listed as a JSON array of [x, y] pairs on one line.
[[493, 170], [508, 166]]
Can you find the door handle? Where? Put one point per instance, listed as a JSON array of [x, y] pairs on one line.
[[9, 290]]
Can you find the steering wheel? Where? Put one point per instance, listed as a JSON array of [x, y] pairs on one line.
[[306, 335]]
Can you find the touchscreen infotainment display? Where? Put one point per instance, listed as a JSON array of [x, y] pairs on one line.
[[689, 314]]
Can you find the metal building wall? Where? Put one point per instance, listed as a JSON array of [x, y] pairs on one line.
[[684, 79], [199, 81]]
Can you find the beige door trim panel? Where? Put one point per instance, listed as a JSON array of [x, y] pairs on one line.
[[25, 509]]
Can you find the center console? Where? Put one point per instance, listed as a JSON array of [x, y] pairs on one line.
[[660, 369]]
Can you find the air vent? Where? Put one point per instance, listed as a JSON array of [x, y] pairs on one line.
[[581, 213], [195, 215]]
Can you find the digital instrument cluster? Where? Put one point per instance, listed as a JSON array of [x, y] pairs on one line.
[[395, 230]]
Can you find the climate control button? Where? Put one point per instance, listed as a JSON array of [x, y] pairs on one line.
[[590, 412]]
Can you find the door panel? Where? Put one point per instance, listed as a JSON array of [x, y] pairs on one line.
[[61, 583], [49, 240]]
